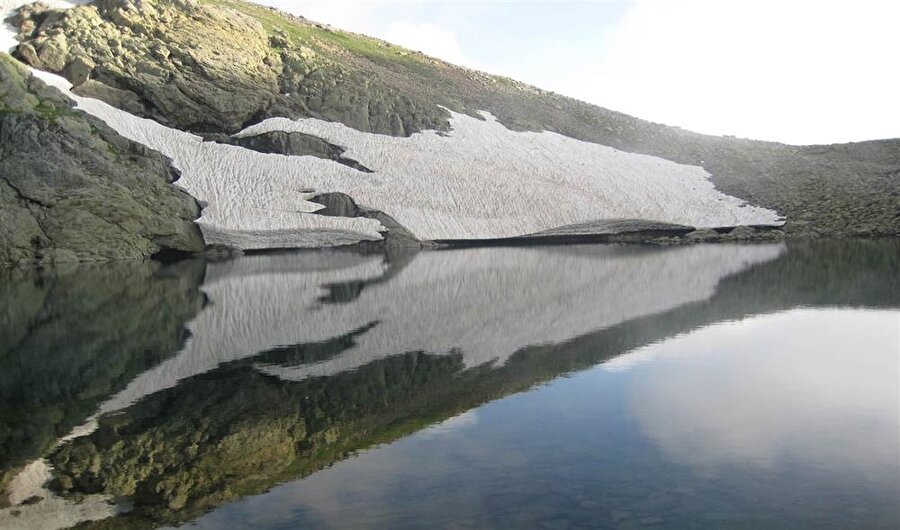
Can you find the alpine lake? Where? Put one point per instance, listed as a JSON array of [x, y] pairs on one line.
[[550, 387]]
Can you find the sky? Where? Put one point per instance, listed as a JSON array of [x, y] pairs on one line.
[[797, 72]]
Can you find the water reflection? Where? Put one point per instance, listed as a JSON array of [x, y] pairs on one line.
[[740, 444], [484, 304], [815, 387], [70, 339], [300, 361]]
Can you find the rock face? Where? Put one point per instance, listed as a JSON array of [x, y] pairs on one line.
[[215, 67], [72, 189]]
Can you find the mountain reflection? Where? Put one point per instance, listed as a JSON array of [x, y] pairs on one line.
[[298, 361]]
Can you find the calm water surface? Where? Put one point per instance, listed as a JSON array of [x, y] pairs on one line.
[[721, 386]]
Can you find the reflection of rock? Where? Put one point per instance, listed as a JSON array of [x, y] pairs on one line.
[[71, 337], [37, 508], [234, 431], [829, 397]]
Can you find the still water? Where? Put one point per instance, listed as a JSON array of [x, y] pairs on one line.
[[726, 386]]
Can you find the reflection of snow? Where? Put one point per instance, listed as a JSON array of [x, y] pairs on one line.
[[489, 303], [256, 303], [813, 385], [484, 303], [44, 510]]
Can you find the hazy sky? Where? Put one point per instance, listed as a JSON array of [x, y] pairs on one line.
[[791, 71]]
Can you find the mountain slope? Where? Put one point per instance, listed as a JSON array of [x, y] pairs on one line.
[[215, 68]]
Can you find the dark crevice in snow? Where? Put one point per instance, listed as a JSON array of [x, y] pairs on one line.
[[291, 144]]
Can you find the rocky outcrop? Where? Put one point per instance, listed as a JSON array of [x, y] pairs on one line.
[[342, 205], [72, 189], [601, 231], [219, 71]]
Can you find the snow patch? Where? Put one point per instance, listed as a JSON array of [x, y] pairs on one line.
[[253, 202], [483, 180], [480, 181]]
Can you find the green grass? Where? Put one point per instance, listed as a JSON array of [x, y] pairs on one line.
[[50, 112]]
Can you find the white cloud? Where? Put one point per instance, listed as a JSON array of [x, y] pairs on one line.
[[358, 16], [795, 72], [376, 19], [429, 39]]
